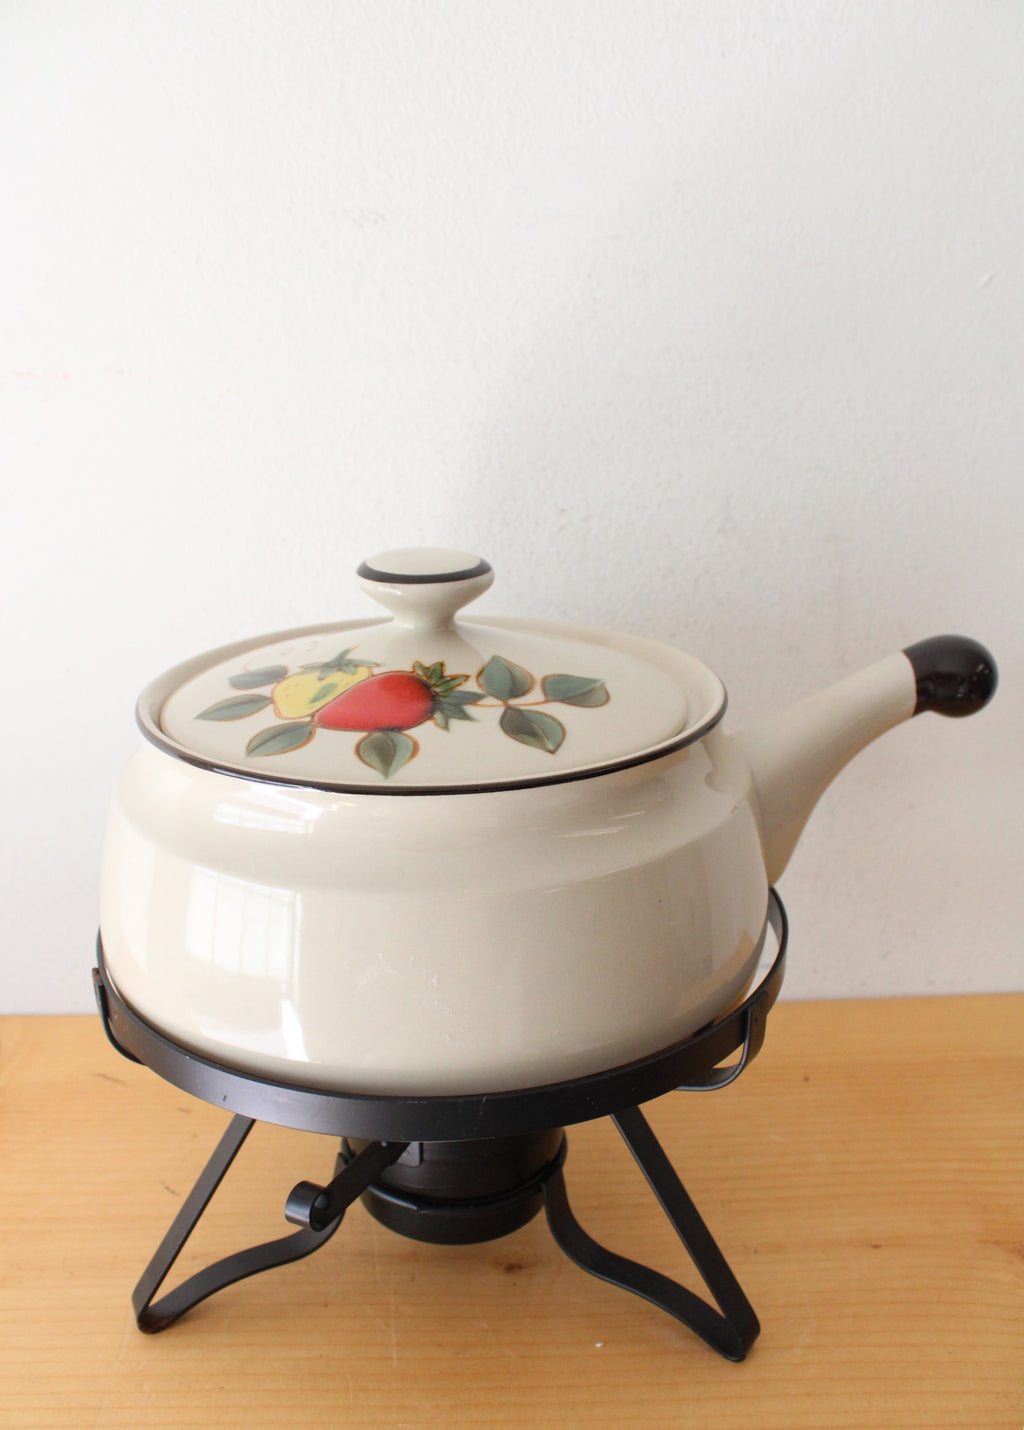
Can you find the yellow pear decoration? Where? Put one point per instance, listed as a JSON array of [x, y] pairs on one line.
[[300, 695]]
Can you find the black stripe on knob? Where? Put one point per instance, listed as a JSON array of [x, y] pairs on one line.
[[406, 578]]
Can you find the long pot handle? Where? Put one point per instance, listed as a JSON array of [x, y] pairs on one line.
[[794, 756]]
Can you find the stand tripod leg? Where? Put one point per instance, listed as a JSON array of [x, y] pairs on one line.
[[730, 1331], [157, 1316]]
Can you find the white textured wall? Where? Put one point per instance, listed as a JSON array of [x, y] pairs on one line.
[[701, 319]]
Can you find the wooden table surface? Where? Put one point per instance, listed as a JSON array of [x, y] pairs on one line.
[[865, 1179]]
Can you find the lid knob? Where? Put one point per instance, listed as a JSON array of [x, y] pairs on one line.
[[424, 586]]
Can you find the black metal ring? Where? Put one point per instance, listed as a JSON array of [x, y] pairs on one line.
[[689, 1063]]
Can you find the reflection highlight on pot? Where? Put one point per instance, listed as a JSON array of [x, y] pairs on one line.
[[241, 942], [241, 927], [292, 816]]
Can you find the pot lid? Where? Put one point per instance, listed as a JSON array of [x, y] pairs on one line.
[[421, 703]]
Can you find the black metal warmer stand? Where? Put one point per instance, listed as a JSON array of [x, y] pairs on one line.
[[460, 1169]]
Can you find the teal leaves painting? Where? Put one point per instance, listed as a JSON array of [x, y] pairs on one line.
[[532, 727], [386, 751], [504, 679], [350, 694], [575, 690], [236, 707]]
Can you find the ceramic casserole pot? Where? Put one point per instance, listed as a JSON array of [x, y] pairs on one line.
[[419, 855]]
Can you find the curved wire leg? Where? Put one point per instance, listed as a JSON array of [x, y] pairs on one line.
[[730, 1331], [156, 1316]]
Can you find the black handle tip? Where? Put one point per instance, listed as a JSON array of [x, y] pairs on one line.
[[955, 675]]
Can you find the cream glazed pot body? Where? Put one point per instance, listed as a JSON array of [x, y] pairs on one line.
[[435, 943]]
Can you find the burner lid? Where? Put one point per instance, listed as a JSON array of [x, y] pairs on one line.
[[421, 702]]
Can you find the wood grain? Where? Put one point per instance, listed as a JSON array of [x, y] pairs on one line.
[[865, 1178]]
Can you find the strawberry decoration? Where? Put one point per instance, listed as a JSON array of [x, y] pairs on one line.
[[389, 704], [393, 700]]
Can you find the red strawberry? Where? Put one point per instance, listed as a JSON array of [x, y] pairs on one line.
[[395, 700]]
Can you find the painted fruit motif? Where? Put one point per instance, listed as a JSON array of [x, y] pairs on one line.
[[346, 694], [300, 695], [384, 707], [394, 700]]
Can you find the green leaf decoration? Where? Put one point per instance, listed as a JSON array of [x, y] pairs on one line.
[[278, 739], [455, 706], [504, 680], [575, 690], [437, 678], [462, 697], [430, 673], [327, 686], [235, 707], [340, 665], [386, 751], [251, 679], [532, 727]]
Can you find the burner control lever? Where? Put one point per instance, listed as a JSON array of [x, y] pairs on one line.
[[313, 1206]]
